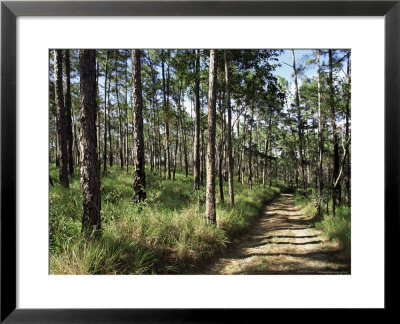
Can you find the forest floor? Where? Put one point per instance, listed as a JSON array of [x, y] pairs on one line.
[[283, 241]]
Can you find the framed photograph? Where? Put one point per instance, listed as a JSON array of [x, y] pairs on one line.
[[290, 108]]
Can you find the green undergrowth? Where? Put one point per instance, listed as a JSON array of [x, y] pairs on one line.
[[165, 234], [336, 228]]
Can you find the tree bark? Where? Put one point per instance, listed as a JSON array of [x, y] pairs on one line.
[[348, 173], [61, 120], [90, 172], [76, 142], [111, 154], [70, 139], [221, 152], [299, 121], [250, 180], [196, 144], [336, 192], [183, 131], [166, 110], [320, 144], [105, 115], [97, 113], [242, 159], [120, 131], [210, 187], [229, 131], [139, 185], [126, 119]]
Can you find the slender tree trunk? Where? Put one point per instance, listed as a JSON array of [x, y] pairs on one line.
[[210, 187], [61, 119], [239, 168], [229, 131], [242, 159], [90, 171], [139, 185], [203, 158], [299, 121], [336, 192], [76, 142], [97, 114], [68, 119], [57, 142], [347, 105], [156, 130], [111, 155], [196, 144], [183, 131], [257, 150], [221, 153], [250, 180], [126, 119], [105, 115], [264, 173], [320, 146], [166, 109], [175, 151], [120, 131]]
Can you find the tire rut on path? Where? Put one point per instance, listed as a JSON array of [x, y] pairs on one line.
[[283, 242]]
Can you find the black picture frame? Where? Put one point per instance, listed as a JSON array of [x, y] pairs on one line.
[[10, 10]]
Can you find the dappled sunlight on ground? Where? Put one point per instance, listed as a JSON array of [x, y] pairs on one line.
[[283, 241]]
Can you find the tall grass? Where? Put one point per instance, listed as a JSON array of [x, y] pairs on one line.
[[167, 233], [336, 228], [339, 227]]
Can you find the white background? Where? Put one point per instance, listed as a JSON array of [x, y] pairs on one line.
[[363, 288]]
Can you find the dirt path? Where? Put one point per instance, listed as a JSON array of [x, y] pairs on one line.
[[283, 242]]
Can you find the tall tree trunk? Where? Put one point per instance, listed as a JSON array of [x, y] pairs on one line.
[[320, 145], [196, 142], [183, 131], [57, 143], [139, 185], [120, 131], [61, 119], [76, 142], [229, 131], [265, 160], [348, 173], [257, 150], [336, 192], [126, 119], [210, 187], [70, 141], [105, 115], [97, 113], [111, 155], [299, 121], [203, 157], [250, 180], [166, 110], [242, 159], [221, 152], [176, 150], [90, 171]]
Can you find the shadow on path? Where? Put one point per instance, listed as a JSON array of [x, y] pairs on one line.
[[283, 242]]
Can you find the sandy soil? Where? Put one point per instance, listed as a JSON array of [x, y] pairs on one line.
[[283, 242]]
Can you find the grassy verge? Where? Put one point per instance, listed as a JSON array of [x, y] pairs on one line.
[[336, 228], [166, 234]]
